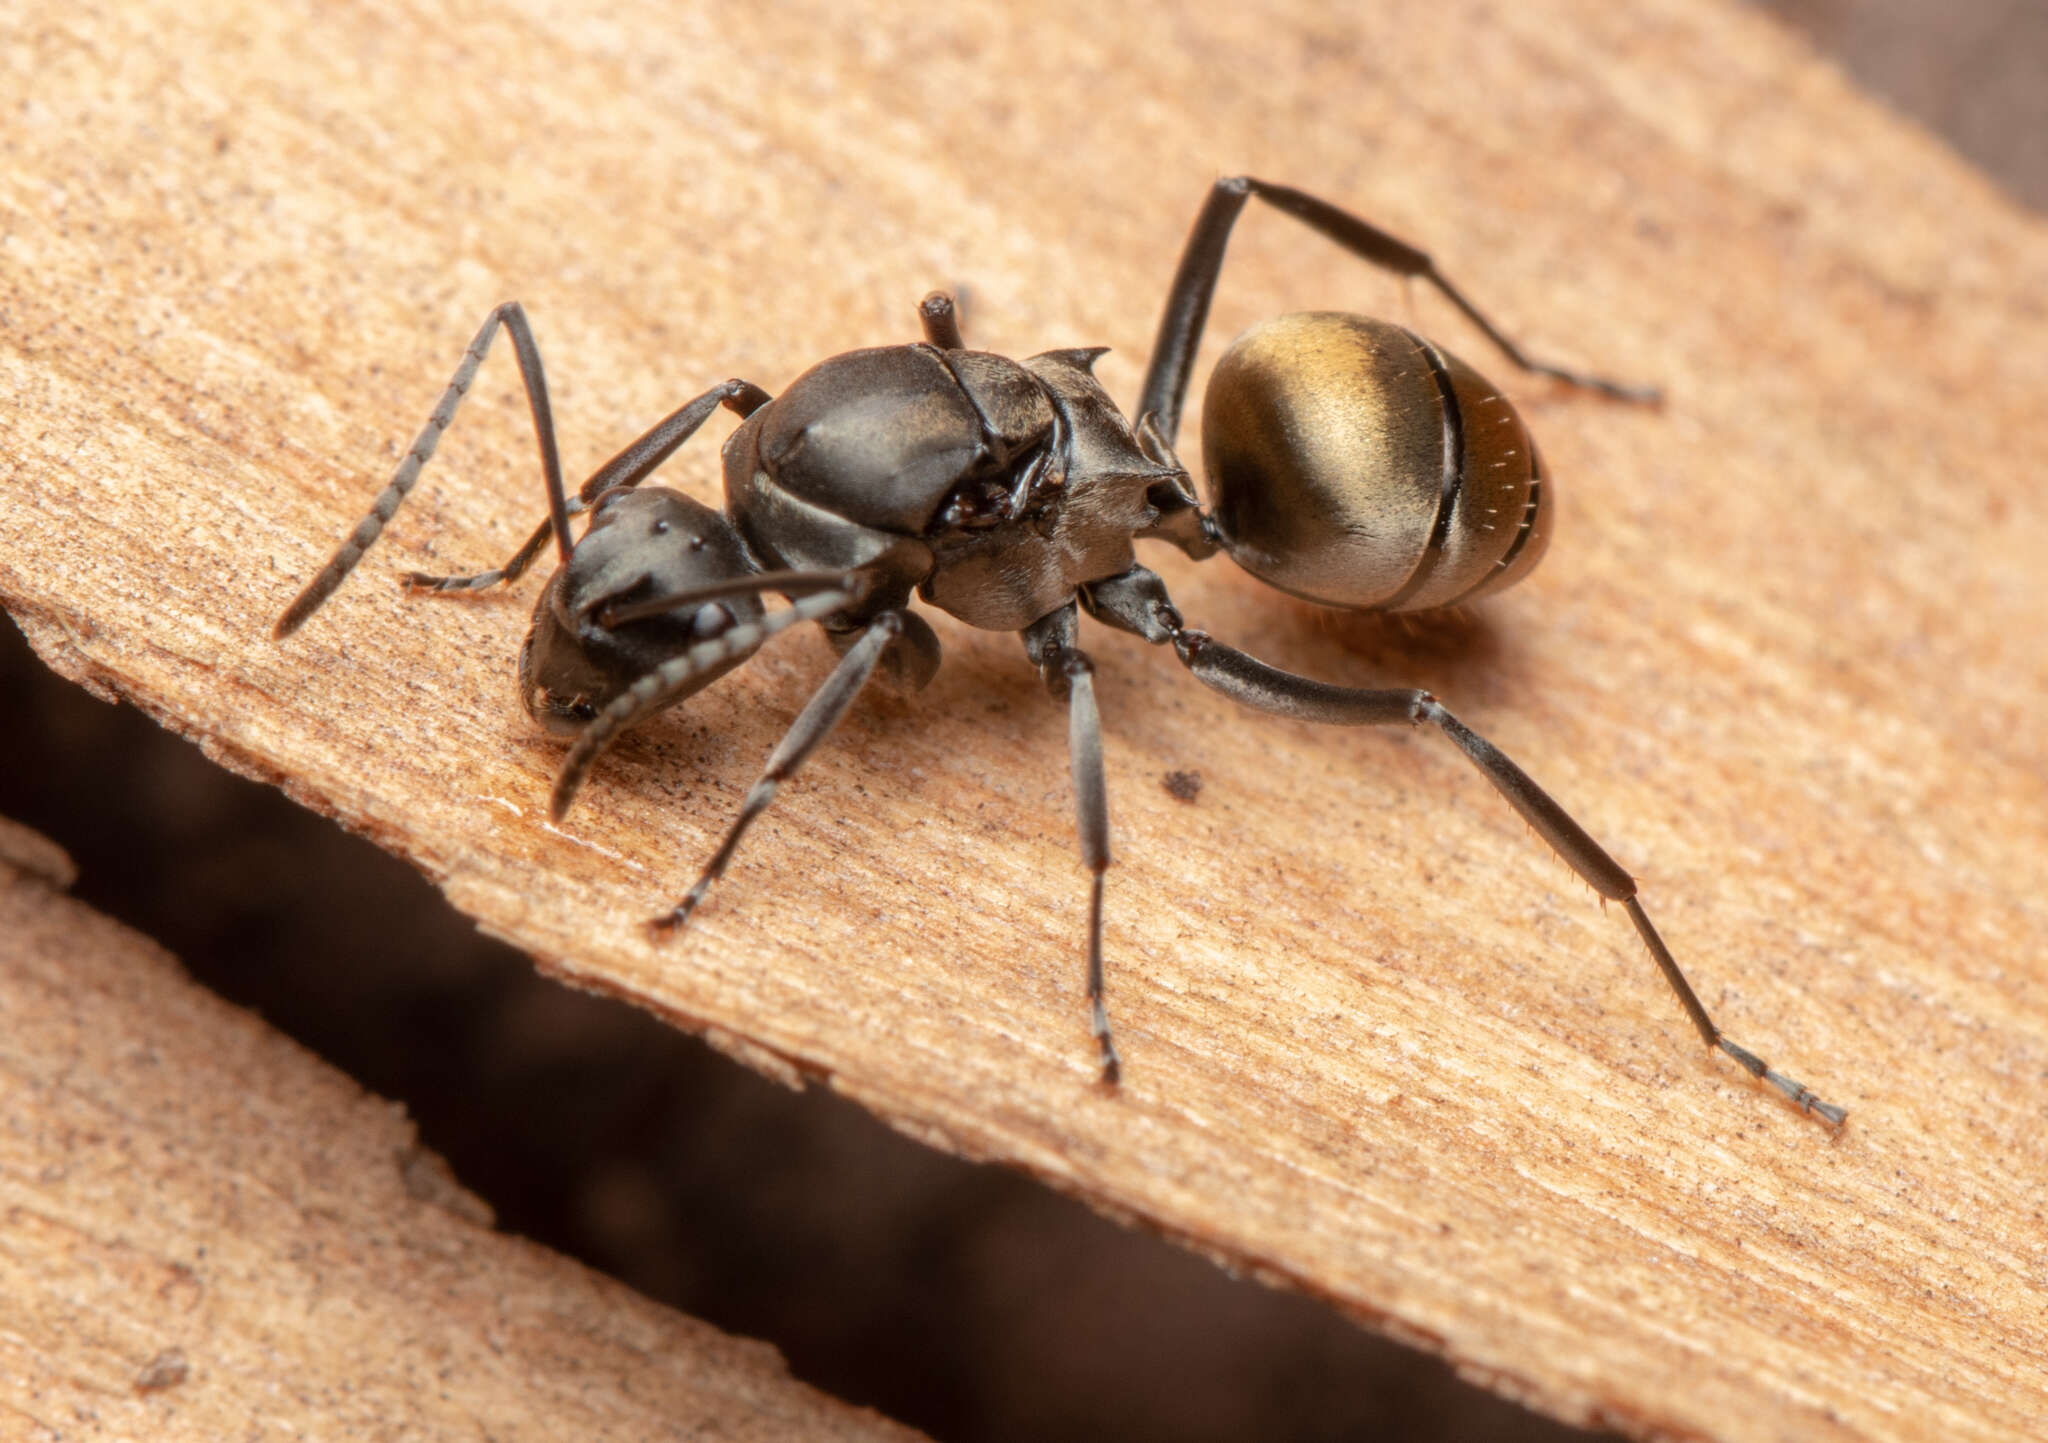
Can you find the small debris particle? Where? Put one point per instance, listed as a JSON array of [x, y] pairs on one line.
[[166, 1370], [1182, 786]]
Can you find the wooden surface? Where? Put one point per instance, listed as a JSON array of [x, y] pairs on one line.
[[1784, 657], [210, 1234]]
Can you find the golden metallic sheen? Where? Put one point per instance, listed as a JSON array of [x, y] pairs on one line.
[[1354, 464]]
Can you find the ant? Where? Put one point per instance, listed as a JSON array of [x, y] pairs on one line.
[[1348, 461]]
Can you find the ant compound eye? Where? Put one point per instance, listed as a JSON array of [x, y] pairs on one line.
[[711, 620], [583, 711]]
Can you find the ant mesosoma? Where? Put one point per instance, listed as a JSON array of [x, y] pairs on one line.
[[1348, 461]]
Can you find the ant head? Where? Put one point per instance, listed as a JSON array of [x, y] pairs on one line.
[[600, 627]]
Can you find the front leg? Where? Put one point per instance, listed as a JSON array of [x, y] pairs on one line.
[[681, 674], [813, 724], [1137, 602]]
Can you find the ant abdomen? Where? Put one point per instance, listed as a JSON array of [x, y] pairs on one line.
[[1353, 463]]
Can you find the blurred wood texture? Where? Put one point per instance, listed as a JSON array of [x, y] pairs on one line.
[[1785, 658], [211, 1234]]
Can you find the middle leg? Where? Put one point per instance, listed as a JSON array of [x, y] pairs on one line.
[[1067, 671]]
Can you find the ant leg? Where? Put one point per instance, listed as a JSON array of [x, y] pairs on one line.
[[1068, 672], [623, 472], [1137, 602], [513, 319], [941, 322], [672, 678], [639, 458], [812, 725], [1194, 284]]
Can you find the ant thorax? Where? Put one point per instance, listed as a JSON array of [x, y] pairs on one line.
[[1074, 507], [993, 488]]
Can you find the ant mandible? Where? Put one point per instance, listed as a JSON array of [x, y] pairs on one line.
[[1348, 461]]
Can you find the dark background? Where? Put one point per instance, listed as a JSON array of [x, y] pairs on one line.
[[964, 1300]]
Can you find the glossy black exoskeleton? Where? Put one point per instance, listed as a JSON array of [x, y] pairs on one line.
[[1347, 460]]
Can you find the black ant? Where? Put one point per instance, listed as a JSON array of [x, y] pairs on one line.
[[1348, 461]]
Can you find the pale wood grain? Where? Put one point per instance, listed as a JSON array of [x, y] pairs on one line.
[[210, 1234], [1784, 658]]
